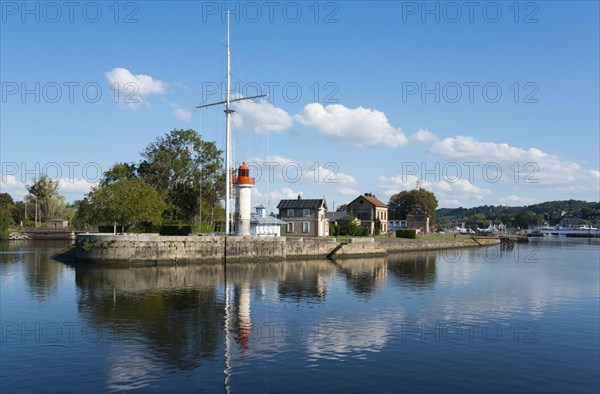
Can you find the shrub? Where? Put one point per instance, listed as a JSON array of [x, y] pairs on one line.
[[406, 233]]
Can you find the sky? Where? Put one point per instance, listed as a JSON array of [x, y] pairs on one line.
[[487, 103]]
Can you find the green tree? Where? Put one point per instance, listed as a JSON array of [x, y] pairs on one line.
[[125, 202], [119, 171], [43, 192], [401, 204], [188, 170], [527, 218], [342, 208], [6, 214]]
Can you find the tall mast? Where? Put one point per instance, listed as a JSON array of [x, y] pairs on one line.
[[227, 133], [228, 112]]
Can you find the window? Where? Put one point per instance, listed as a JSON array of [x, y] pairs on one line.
[[305, 227], [306, 212], [290, 227], [290, 213]]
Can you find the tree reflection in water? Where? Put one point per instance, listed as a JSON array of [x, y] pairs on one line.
[[416, 270]]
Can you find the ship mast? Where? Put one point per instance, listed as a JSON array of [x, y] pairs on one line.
[[228, 112]]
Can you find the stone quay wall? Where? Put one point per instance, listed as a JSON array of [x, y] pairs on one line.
[[154, 248]]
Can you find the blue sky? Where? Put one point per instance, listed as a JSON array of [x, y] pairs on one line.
[[487, 102]]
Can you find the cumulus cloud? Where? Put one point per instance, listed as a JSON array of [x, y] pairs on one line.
[[261, 117], [183, 114], [445, 190], [134, 89], [348, 191], [424, 135], [359, 126], [75, 186], [516, 200], [523, 167], [279, 168], [11, 185]]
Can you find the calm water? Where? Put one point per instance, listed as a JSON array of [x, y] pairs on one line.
[[525, 320]]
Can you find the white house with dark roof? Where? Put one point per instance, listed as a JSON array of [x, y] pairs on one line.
[[263, 225], [304, 217]]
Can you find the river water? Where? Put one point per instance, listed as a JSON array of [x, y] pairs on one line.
[[470, 320]]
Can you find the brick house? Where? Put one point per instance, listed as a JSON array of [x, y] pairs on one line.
[[304, 217], [368, 208]]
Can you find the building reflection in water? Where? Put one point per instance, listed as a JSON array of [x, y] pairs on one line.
[[186, 314], [417, 270], [364, 275]]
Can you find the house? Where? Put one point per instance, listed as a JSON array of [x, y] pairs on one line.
[[304, 217], [367, 208], [263, 225], [418, 219], [396, 224], [57, 223]]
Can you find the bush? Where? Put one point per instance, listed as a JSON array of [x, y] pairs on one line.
[[406, 233]]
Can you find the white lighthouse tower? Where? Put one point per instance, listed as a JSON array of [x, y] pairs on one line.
[[243, 185]]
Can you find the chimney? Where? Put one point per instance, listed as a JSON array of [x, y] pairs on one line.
[[299, 196]]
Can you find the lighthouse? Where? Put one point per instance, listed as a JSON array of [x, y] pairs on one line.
[[243, 186]]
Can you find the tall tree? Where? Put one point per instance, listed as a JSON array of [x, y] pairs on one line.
[[43, 192], [125, 202], [401, 204], [188, 170]]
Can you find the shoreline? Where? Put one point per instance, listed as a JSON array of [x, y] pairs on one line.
[[153, 249]]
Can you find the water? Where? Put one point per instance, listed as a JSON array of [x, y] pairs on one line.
[[474, 320]]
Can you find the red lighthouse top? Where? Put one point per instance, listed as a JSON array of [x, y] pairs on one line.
[[243, 175]]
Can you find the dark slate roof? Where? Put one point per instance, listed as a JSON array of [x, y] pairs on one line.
[[265, 219], [302, 204], [341, 215]]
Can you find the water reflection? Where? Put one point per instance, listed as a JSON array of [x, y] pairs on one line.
[[414, 269], [364, 275], [41, 273], [186, 314]]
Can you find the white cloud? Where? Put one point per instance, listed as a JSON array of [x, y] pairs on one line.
[[279, 168], [359, 126], [11, 185], [424, 135], [271, 198], [76, 186], [349, 191], [134, 89], [516, 200], [454, 193], [183, 114], [523, 167], [261, 117]]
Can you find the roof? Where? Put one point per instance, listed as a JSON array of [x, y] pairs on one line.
[[302, 204], [338, 215], [371, 199], [418, 211], [257, 219]]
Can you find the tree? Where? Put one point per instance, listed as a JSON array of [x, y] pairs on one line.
[[125, 202], [119, 171], [526, 218], [401, 204], [6, 214], [188, 170], [43, 193], [342, 208]]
